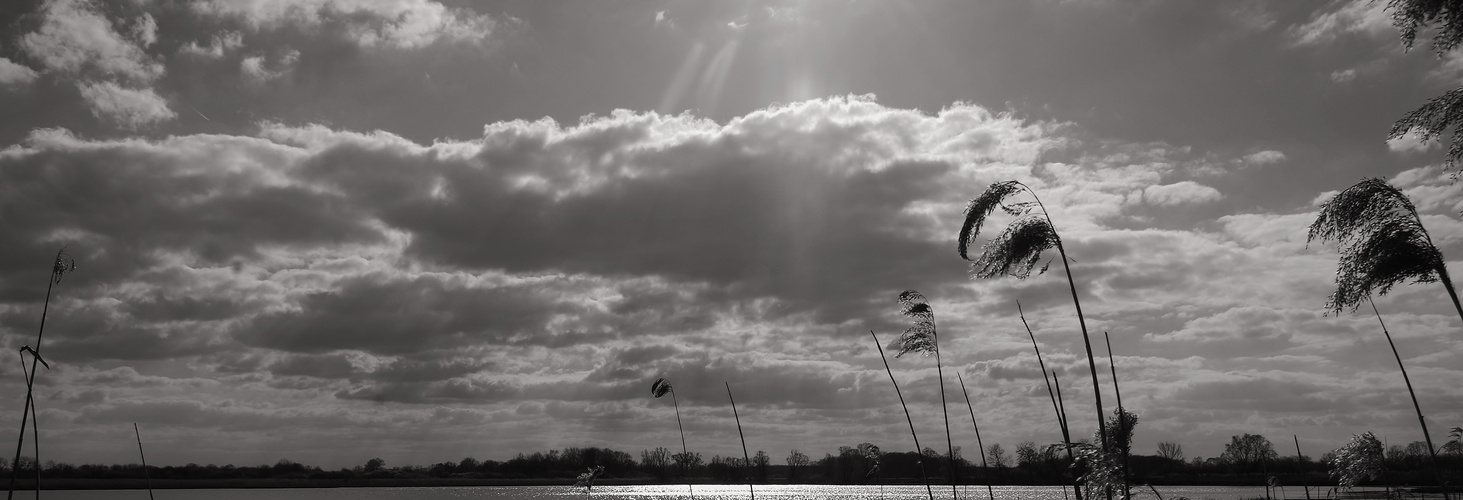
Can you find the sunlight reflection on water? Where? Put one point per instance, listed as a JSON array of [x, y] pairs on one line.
[[657, 492]]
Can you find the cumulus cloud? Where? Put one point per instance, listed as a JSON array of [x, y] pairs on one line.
[[541, 274], [1411, 142], [1265, 157], [256, 70], [217, 46], [14, 74], [113, 72], [132, 108], [1180, 193], [1355, 16], [75, 37], [408, 24]]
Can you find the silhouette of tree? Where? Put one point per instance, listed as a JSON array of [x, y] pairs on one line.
[[1171, 451], [998, 457], [1249, 450]]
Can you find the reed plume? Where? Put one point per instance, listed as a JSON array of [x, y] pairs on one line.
[[1382, 243], [1017, 249], [922, 338]]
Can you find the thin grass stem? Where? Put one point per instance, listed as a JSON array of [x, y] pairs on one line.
[[917, 449]]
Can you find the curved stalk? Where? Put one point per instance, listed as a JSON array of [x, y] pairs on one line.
[[746, 460], [684, 452], [1122, 415], [1425, 435], [1081, 321], [30, 380], [1061, 418], [978, 442], [945, 412], [917, 449]]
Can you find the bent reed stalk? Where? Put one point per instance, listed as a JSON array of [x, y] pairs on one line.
[[659, 388], [1015, 251], [59, 267], [1061, 415], [746, 460], [978, 442], [917, 449], [1437, 469], [145, 475], [1123, 438]]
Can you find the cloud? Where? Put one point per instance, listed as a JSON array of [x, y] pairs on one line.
[[1355, 16], [75, 37], [132, 108], [1411, 142], [14, 74], [1180, 193], [541, 274], [255, 71], [1343, 76], [217, 46], [1266, 157], [405, 24]]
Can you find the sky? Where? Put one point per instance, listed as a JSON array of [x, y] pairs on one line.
[[423, 230]]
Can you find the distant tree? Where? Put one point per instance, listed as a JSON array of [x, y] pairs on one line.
[[1248, 451], [1026, 455], [687, 461], [761, 461], [374, 465], [1171, 451], [656, 460], [998, 457], [468, 464], [798, 459]]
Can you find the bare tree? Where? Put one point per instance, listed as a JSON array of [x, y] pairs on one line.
[[1171, 451]]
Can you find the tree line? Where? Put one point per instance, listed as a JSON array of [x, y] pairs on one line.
[[1248, 459]]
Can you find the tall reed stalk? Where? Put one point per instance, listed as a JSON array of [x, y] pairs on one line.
[[917, 449], [746, 460], [1016, 251], [1061, 415], [1433, 452], [59, 267], [1123, 439], [1301, 459], [659, 388], [978, 442], [145, 475]]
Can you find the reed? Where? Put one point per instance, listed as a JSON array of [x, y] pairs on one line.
[[917, 449], [1061, 415], [746, 460], [1017, 249], [922, 338], [144, 460], [659, 388], [1124, 439], [62, 265], [978, 442]]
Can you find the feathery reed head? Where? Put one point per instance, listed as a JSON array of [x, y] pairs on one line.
[[919, 337], [1017, 249], [1380, 239], [660, 387], [982, 206], [1358, 459], [64, 264]]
